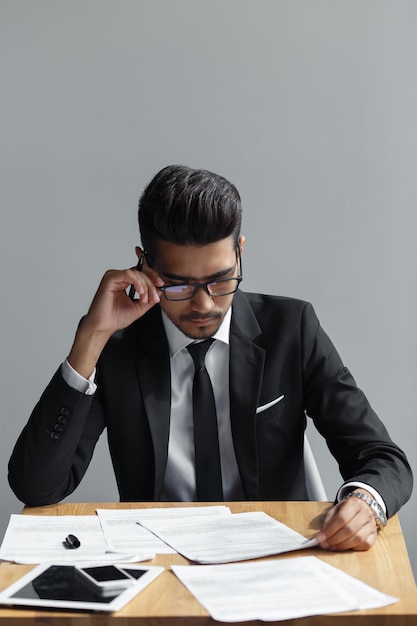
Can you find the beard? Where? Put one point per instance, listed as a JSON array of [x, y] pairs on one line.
[[194, 332], [191, 317]]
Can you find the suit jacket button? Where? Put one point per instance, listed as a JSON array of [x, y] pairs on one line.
[[62, 420], [65, 411], [58, 428], [55, 436]]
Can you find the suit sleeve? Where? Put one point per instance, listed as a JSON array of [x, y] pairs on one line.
[[55, 447], [355, 435]]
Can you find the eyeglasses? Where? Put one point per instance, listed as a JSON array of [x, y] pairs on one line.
[[214, 288]]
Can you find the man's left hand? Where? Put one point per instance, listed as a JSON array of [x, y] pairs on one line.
[[349, 525]]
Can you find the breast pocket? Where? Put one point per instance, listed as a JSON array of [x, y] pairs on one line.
[[270, 410]]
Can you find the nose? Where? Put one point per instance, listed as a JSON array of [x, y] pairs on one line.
[[201, 301]]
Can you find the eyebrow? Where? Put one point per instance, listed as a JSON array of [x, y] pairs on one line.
[[192, 279]]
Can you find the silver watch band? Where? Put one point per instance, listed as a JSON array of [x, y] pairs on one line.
[[380, 517]]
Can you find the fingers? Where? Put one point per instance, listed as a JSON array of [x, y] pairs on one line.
[[350, 525], [146, 285], [141, 273], [112, 309]]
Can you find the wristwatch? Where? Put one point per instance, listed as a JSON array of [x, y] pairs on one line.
[[378, 511]]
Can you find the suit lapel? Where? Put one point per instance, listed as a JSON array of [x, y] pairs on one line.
[[154, 379], [246, 370]]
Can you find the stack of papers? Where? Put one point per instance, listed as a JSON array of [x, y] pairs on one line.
[[209, 535], [111, 535], [123, 532], [39, 539], [277, 590], [236, 537]]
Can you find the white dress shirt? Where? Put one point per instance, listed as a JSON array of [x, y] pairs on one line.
[[179, 482]]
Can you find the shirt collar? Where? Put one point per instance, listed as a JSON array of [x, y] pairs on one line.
[[177, 340]]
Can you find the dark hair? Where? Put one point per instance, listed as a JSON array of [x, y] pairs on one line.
[[188, 207]]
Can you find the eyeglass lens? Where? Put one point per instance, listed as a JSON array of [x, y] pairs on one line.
[[217, 288]]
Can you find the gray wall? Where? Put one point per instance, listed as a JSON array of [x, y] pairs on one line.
[[309, 106]]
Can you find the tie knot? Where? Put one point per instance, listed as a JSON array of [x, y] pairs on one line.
[[198, 351]]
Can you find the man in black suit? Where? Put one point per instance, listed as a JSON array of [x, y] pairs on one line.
[[271, 364]]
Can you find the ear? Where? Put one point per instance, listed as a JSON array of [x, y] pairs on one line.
[[139, 252], [242, 240], [145, 267]]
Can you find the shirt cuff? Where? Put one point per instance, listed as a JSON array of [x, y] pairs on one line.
[[78, 382], [348, 487]]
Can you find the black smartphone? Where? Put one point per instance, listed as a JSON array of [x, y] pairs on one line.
[[106, 577]]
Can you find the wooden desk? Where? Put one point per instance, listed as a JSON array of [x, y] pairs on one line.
[[167, 602]]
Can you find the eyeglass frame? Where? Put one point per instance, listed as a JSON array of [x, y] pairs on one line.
[[205, 285]]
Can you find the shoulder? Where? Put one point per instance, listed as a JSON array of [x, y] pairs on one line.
[[257, 315], [265, 306], [259, 300]]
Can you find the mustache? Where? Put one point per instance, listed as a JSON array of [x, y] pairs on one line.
[[199, 316]]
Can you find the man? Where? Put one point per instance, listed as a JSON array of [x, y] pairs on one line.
[[131, 370]]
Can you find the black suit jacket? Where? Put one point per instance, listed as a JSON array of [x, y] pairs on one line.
[[277, 347]]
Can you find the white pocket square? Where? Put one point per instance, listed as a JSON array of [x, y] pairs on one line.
[[264, 407]]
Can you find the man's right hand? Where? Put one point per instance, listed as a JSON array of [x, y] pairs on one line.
[[112, 310]]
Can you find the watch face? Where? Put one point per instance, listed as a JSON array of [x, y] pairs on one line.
[[381, 515]]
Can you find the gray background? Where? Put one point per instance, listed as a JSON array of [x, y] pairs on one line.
[[308, 106]]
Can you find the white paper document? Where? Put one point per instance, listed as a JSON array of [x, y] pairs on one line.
[[223, 539], [277, 590], [124, 534], [36, 539]]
